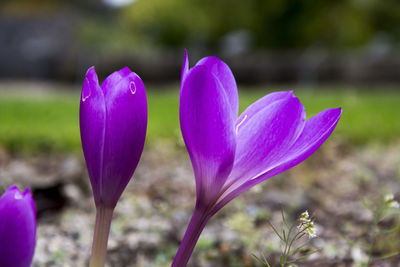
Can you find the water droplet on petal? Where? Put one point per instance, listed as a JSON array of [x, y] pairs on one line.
[[132, 87], [18, 195], [86, 92]]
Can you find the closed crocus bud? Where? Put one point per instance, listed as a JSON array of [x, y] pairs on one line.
[[17, 228], [113, 122]]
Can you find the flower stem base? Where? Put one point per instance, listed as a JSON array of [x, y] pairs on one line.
[[196, 226], [100, 237]]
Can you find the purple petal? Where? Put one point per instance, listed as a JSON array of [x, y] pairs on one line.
[[114, 79], [317, 129], [17, 228], [264, 135], [225, 76], [185, 67], [92, 125], [125, 131], [208, 130], [261, 104]]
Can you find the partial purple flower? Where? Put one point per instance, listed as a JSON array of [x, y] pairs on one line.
[[113, 122], [17, 228], [232, 153]]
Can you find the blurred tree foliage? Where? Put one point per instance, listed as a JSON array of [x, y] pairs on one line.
[[270, 23]]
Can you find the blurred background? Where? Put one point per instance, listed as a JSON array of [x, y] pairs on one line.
[[273, 41], [331, 53]]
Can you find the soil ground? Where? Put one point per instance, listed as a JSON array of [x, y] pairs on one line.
[[152, 215]]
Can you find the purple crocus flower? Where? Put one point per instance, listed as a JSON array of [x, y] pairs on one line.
[[232, 153], [17, 228], [113, 122]]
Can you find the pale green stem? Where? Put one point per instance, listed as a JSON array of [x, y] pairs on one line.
[[100, 237]]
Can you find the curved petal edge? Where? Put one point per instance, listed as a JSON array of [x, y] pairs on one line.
[[317, 129]]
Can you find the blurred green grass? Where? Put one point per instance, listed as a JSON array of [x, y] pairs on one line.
[[49, 122]]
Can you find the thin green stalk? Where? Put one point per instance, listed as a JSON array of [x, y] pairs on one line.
[[297, 236], [374, 231], [287, 246], [276, 232]]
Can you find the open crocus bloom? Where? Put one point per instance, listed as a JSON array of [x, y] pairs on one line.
[[17, 228], [232, 153], [113, 122]]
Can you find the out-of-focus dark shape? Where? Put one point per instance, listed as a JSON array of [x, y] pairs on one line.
[[49, 199]]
